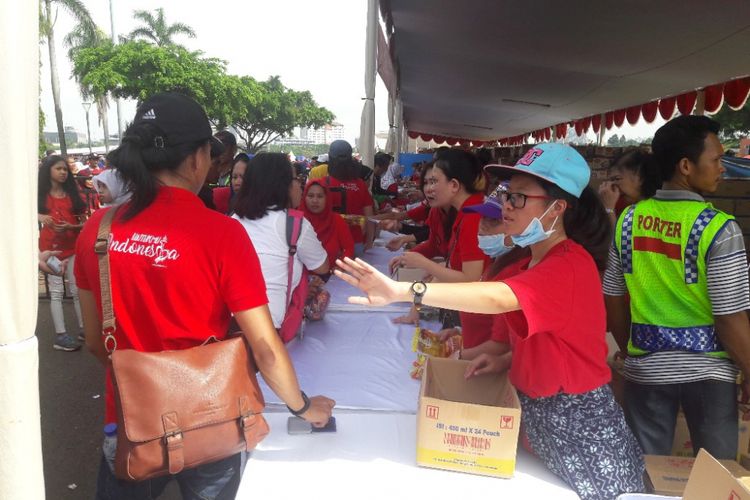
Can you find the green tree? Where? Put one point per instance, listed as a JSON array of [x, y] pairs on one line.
[[137, 70], [275, 114], [80, 38], [155, 28], [47, 18], [43, 146], [734, 124], [259, 111]]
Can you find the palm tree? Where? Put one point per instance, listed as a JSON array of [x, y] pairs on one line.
[[46, 29], [83, 37], [155, 28]]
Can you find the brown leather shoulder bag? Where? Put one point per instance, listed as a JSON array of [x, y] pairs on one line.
[[178, 409]]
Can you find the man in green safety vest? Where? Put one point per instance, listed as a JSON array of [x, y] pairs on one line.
[[685, 333]]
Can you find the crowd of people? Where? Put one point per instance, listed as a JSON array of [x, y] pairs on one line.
[[531, 264]]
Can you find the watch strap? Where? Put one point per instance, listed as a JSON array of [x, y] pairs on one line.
[[305, 406]]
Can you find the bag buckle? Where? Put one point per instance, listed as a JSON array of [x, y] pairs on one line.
[[169, 437], [100, 246], [110, 342]]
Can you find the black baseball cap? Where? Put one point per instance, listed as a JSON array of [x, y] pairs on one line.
[[180, 118], [339, 149]]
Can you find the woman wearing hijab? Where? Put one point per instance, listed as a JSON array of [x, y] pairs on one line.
[[111, 187], [330, 227]]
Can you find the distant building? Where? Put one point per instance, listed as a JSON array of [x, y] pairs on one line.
[[72, 136], [324, 135]]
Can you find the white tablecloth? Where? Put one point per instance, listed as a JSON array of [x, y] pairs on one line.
[[373, 456], [361, 360]]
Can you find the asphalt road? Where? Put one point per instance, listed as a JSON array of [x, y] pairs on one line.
[[71, 391]]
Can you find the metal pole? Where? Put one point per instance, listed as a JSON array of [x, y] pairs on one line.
[[88, 131], [87, 107], [117, 100]]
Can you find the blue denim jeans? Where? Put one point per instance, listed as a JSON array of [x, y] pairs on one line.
[[215, 481], [710, 408]]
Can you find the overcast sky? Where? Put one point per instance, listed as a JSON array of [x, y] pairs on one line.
[[315, 46]]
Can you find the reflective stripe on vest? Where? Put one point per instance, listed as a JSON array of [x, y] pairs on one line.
[[654, 338], [626, 241], [691, 248]]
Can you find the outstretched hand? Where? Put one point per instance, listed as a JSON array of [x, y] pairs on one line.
[[380, 289]]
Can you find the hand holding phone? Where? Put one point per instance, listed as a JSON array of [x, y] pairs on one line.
[[297, 425], [54, 264]]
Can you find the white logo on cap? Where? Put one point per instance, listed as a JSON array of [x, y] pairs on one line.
[[149, 115]]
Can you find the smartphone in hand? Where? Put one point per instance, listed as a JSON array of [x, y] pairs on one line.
[[55, 264]]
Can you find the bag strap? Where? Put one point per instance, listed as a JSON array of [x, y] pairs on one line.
[[101, 247], [341, 208], [293, 230]]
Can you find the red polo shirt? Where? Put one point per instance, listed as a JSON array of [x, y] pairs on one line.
[[177, 271], [558, 335], [419, 213], [464, 245]]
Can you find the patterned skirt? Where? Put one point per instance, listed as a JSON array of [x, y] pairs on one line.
[[583, 438]]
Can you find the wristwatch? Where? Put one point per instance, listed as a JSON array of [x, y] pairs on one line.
[[304, 408], [418, 288]]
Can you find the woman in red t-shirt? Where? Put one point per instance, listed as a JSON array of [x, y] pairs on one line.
[[556, 322], [61, 213], [477, 329], [179, 271], [329, 226], [451, 185]]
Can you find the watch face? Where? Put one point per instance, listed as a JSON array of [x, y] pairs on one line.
[[419, 287]]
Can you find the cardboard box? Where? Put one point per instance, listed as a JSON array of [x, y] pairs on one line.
[[467, 425], [670, 475], [682, 446], [711, 480], [409, 274]]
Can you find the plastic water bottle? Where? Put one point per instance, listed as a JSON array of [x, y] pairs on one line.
[[109, 446]]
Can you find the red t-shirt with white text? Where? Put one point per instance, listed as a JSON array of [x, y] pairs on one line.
[[177, 270], [557, 337]]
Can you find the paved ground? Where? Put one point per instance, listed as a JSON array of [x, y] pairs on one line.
[[72, 405]]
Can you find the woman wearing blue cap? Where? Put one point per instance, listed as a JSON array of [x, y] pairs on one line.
[[554, 310]]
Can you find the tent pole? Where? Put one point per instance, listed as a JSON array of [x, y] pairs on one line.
[[600, 136], [700, 103], [367, 127], [21, 474]]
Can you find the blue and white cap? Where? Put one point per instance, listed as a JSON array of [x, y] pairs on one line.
[[559, 164]]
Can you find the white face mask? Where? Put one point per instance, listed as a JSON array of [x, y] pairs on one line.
[[534, 232], [493, 245]]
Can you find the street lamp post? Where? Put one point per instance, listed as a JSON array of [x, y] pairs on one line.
[[87, 107]]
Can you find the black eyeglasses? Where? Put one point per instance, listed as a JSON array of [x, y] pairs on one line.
[[518, 200]]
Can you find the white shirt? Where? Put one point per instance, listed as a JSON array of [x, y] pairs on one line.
[[268, 235]]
